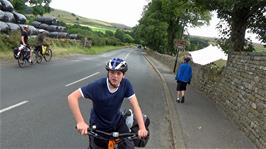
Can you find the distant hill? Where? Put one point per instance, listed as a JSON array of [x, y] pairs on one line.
[[71, 18]]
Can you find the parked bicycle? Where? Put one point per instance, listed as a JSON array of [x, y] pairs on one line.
[[45, 52]]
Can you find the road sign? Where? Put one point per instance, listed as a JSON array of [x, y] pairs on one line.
[[180, 44]]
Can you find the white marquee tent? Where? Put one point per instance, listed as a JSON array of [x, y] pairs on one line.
[[207, 55]]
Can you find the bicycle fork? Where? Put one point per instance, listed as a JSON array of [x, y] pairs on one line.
[[113, 144]]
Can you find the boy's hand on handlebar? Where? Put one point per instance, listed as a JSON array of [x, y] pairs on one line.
[[82, 128], [142, 133]]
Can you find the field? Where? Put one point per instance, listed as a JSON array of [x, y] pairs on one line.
[[259, 48], [95, 25], [68, 17]]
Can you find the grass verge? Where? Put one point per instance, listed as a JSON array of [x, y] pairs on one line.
[[64, 51], [67, 51]]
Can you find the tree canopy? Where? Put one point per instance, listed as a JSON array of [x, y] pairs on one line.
[[40, 6], [19, 5], [239, 15], [163, 21]]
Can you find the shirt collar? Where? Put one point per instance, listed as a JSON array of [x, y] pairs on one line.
[[111, 90]]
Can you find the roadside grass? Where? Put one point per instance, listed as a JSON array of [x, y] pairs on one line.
[[259, 48], [66, 51], [6, 55]]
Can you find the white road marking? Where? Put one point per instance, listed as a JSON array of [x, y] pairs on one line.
[[14, 106], [82, 79], [127, 55]]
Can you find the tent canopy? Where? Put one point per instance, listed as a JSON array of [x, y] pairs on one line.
[[208, 55]]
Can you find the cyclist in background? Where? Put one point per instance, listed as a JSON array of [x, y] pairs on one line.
[[41, 41], [24, 40], [107, 95]]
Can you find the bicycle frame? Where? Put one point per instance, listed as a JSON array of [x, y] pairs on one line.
[[45, 52], [24, 55]]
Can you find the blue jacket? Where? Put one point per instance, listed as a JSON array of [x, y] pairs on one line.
[[184, 73]]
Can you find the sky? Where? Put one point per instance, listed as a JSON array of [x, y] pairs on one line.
[[127, 12]]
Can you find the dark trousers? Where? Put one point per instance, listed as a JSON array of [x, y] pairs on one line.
[[181, 86]]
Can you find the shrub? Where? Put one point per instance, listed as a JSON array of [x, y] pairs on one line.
[[9, 41]]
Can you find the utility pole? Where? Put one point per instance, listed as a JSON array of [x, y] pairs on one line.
[[180, 46], [176, 59]]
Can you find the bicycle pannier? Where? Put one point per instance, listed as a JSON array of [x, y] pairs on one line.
[[15, 52], [135, 128]]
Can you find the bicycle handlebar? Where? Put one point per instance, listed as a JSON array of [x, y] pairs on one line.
[[109, 135]]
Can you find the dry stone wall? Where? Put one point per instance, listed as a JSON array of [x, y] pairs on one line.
[[240, 90]]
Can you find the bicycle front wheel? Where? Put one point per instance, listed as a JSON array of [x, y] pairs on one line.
[[48, 55], [35, 58], [21, 62], [38, 57]]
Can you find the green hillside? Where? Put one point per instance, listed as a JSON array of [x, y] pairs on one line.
[[97, 25]]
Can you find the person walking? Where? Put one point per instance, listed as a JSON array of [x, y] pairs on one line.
[[183, 77], [107, 95]]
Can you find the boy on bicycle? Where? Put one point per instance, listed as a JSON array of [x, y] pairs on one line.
[[107, 95]]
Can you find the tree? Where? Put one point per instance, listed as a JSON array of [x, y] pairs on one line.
[[123, 36], [240, 15], [39, 6], [168, 19], [152, 30], [19, 5], [109, 33], [179, 15]]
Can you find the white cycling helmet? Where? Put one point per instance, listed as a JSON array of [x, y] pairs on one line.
[[117, 64]]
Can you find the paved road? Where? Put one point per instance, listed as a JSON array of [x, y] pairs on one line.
[[42, 118], [39, 116]]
